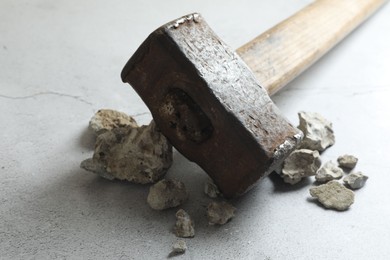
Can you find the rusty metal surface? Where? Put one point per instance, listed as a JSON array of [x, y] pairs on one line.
[[209, 105]]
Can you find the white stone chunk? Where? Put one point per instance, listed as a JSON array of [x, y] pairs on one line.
[[184, 226], [299, 164], [210, 189], [179, 247], [329, 171], [333, 195], [167, 194], [220, 212], [355, 180], [318, 132], [140, 155], [108, 119], [347, 161]]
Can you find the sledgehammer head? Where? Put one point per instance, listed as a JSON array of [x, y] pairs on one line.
[[209, 105]]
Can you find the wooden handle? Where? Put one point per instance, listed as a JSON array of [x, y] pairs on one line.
[[280, 54]]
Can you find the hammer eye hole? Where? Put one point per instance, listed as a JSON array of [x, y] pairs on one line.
[[185, 118]]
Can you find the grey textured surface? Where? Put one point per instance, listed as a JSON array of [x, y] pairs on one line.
[[60, 62]]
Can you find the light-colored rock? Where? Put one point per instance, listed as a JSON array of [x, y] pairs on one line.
[[329, 171], [333, 195], [140, 155], [299, 164], [167, 194], [347, 161], [184, 226], [355, 180], [220, 212], [179, 247], [108, 119], [317, 130], [96, 167], [210, 189]]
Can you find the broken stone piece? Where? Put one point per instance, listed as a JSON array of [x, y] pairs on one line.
[[333, 195], [140, 155], [184, 226], [355, 180], [179, 247], [329, 171], [167, 194], [299, 164], [107, 119], [210, 189], [96, 167], [347, 161], [220, 212], [317, 130]]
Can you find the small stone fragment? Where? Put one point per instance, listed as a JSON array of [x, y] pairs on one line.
[[184, 226], [210, 189], [333, 195], [179, 247], [299, 164], [329, 171], [107, 119], [317, 130], [140, 155], [355, 180], [96, 167], [347, 161], [220, 212], [167, 194]]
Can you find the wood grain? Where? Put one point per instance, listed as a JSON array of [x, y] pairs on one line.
[[283, 52]]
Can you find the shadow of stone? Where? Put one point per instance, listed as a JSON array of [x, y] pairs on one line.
[[316, 202], [87, 139]]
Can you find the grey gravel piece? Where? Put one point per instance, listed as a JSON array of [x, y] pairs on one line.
[[136, 154], [179, 247], [167, 194], [299, 164], [329, 171], [333, 195], [318, 131], [220, 212], [211, 190], [355, 180], [184, 226], [347, 161]]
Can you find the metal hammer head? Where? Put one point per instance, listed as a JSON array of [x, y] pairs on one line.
[[209, 105]]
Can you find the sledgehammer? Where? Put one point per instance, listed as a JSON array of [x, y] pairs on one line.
[[213, 108]]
